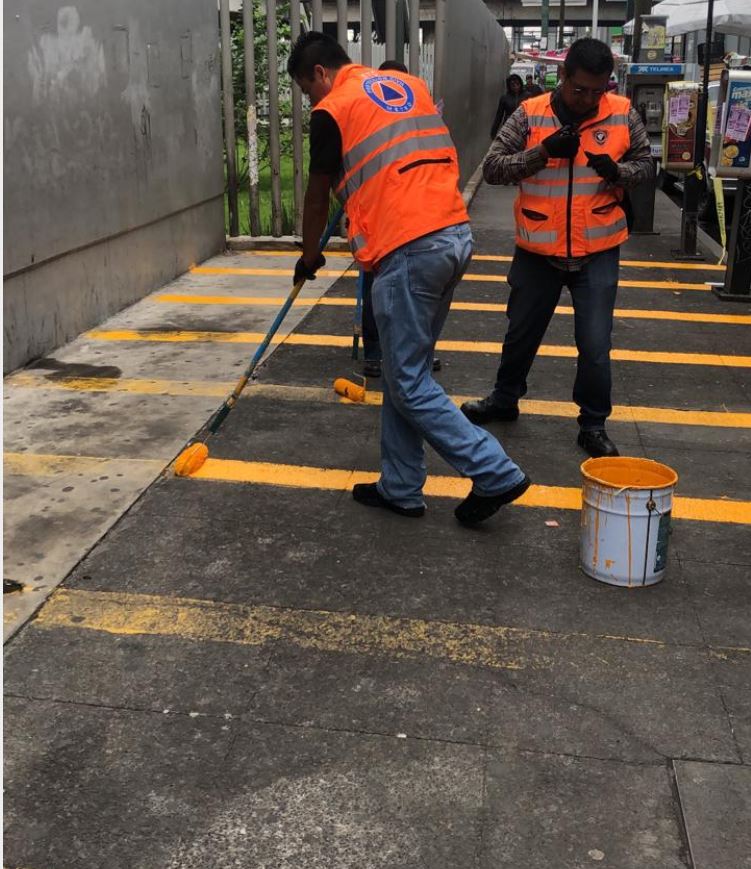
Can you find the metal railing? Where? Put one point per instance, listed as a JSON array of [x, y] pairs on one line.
[[271, 139]]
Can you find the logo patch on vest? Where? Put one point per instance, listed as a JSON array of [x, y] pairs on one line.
[[600, 136], [389, 93]]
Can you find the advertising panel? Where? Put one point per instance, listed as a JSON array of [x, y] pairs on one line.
[[679, 125]]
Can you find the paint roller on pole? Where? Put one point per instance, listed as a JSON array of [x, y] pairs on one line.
[[196, 453]]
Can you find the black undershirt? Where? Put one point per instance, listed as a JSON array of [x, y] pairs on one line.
[[325, 144]]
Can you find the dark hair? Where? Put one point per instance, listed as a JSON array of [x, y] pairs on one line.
[[396, 65], [591, 55], [315, 49]]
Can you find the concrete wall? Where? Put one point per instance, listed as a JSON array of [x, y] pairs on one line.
[[113, 159], [472, 78]]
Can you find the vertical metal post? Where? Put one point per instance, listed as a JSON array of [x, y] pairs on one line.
[[737, 286], [341, 22], [229, 117], [544, 24], [628, 40], [251, 117], [366, 32], [274, 126], [297, 142], [561, 23], [414, 37], [440, 50], [695, 180], [391, 30], [317, 14], [595, 17]]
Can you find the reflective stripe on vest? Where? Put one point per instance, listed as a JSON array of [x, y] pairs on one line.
[[380, 137], [560, 191], [391, 155], [543, 121], [604, 231], [357, 243], [538, 237]]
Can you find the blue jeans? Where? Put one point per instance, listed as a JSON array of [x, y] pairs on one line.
[[412, 294], [536, 287]]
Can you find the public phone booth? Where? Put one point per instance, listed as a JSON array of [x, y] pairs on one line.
[[730, 157], [646, 83]]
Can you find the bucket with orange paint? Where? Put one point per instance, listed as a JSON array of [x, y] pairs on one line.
[[625, 521]]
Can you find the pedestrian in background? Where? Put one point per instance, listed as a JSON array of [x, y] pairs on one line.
[[573, 153], [508, 103], [530, 88], [380, 144]]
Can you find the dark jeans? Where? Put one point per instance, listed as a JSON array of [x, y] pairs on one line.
[[535, 290]]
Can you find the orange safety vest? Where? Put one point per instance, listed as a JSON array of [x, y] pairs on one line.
[[566, 209], [400, 172]]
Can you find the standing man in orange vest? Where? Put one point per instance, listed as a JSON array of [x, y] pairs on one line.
[[572, 152], [378, 142]]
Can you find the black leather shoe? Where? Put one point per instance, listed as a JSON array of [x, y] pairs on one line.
[[485, 410], [371, 368], [476, 508], [597, 443], [368, 494], [436, 364]]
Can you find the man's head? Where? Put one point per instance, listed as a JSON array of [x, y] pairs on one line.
[[586, 73], [314, 62], [394, 65], [530, 80]]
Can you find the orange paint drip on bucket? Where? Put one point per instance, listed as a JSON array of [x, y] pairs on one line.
[[625, 523]]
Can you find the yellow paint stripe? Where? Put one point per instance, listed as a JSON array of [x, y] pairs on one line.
[[550, 497], [38, 465], [500, 258], [320, 630], [202, 388], [498, 647], [300, 339], [483, 307], [352, 272]]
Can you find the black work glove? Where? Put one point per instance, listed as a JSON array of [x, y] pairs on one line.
[[604, 165], [563, 143], [303, 273]]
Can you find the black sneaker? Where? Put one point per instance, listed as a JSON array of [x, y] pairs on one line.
[[371, 368], [436, 364], [368, 494], [486, 410], [597, 443], [476, 508]]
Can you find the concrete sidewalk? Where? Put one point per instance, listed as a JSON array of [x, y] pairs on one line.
[[250, 670]]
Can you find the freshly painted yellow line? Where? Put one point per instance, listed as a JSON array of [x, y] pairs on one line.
[[499, 258], [497, 647], [352, 272], [300, 339], [37, 465], [483, 307], [550, 497], [203, 388], [268, 273]]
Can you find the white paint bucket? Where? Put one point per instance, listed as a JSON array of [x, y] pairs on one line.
[[625, 521]]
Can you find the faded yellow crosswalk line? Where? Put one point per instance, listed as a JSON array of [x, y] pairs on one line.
[[481, 307], [497, 647], [566, 409], [302, 339], [46, 465], [550, 497]]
